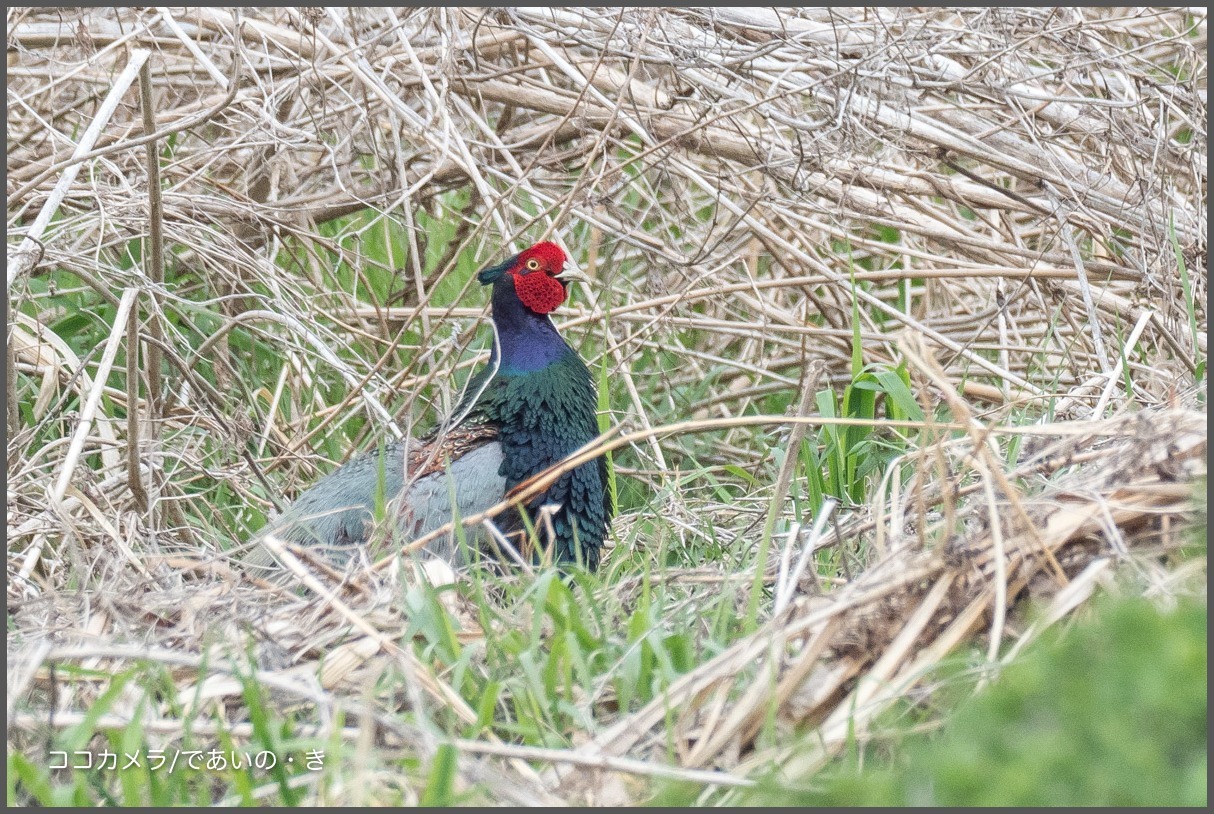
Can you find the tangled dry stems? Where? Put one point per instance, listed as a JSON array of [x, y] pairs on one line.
[[1019, 189]]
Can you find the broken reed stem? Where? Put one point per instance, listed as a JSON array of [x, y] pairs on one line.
[[153, 261], [153, 252]]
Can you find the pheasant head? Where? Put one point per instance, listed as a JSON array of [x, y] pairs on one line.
[[538, 276], [526, 289]]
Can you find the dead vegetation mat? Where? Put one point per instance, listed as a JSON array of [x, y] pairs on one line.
[[1008, 202]]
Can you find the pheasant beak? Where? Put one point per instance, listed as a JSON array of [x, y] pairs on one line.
[[570, 273]]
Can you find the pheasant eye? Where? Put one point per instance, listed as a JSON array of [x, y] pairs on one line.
[[533, 264]]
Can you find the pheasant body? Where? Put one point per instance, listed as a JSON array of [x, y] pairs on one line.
[[528, 409], [542, 417]]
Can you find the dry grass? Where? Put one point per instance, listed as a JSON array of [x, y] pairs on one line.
[[1010, 202]]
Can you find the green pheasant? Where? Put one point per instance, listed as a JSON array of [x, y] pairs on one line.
[[532, 405]]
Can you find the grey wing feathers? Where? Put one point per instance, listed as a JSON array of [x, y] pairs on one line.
[[475, 481], [337, 514]]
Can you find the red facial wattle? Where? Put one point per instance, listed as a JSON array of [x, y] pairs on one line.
[[538, 290]]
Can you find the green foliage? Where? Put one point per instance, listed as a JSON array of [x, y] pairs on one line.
[[843, 461], [1110, 713], [440, 789]]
